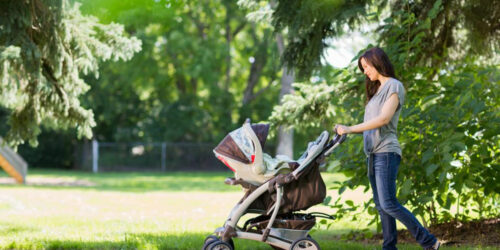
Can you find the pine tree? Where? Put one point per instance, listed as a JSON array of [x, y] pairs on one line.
[[45, 46]]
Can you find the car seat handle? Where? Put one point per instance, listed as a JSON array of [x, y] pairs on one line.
[[247, 128]]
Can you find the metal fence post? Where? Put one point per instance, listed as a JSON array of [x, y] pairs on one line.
[[95, 156], [163, 156]]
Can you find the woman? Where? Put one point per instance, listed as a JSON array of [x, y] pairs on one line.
[[384, 100]]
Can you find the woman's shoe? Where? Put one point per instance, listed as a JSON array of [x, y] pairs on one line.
[[435, 246]]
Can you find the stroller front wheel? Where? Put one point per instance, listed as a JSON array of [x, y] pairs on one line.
[[305, 243]]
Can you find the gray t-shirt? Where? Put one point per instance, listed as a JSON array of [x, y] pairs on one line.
[[383, 139]]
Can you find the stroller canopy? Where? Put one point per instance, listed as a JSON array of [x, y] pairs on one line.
[[238, 146]]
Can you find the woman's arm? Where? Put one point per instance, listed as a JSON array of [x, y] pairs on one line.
[[384, 118]]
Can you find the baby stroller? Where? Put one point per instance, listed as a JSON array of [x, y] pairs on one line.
[[275, 189]]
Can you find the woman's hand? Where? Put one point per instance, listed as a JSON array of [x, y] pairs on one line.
[[341, 129]]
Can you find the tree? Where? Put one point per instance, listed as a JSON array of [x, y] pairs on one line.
[[448, 126], [457, 29], [195, 83], [258, 11], [44, 47]]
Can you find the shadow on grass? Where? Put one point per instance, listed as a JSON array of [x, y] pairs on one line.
[[126, 182], [131, 181]]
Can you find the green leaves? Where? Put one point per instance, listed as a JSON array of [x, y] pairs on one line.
[[406, 187], [430, 169], [349, 203], [427, 155], [448, 128], [309, 103], [43, 51], [309, 23]]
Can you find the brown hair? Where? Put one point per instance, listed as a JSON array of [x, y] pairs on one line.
[[377, 58]]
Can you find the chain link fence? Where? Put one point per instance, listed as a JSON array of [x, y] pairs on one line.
[[164, 156]]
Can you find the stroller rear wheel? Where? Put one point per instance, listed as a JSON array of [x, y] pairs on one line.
[[219, 245], [305, 243]]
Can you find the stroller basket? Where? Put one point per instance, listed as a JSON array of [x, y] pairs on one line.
[[288, 221]]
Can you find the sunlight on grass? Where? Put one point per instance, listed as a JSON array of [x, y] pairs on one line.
[[134, 211]]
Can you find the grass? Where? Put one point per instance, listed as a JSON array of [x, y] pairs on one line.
[[78, 210]]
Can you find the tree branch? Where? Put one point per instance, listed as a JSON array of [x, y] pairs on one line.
[[199, 25], [239, 28]]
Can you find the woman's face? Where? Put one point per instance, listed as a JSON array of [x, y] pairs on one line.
[[369, 70]]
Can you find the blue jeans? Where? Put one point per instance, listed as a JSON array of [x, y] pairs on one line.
[[383, 183]]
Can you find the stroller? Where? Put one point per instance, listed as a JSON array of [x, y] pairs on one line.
[[275, 189]]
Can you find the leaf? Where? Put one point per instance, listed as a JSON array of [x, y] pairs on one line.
[[435, 9], [430, 169], [427, 155], [406, 187], [349, 202], [372, 210], [425, 199], [449, 200], [442, 176], [327, 200], [342, 189]]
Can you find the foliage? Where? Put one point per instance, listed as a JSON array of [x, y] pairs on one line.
[[44, 46], [448, 127], [196, 80], [309, 22], [455, 30], [307, 104]]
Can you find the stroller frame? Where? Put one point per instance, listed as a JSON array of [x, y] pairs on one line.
[[277, 237]]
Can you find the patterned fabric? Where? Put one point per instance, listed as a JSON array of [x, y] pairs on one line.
[[244, 143], [237, 146], [229, 148], [275, 165]]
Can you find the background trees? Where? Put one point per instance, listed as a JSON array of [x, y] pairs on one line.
[[205, 69]]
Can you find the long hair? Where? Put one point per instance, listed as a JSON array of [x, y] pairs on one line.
[[377, 58]]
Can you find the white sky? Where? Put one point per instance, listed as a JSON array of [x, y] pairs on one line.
[[343, 49]]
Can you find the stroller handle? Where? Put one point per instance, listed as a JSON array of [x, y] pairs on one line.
[[327, 150], [337, 140]]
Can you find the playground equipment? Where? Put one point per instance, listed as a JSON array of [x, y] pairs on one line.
[[13, 163]]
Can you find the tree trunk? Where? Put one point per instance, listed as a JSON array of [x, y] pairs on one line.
[[260, 58], [228, 55], [285, 136]]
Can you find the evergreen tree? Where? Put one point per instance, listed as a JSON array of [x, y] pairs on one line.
[[45, 45]]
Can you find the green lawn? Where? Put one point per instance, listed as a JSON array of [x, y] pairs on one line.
[[76, 210]]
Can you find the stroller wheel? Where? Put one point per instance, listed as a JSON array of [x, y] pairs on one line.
[[209, 240], [219, 245], [305, 243]]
